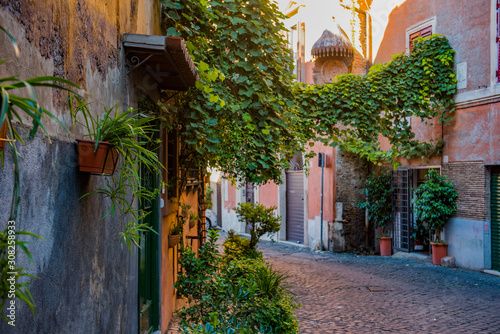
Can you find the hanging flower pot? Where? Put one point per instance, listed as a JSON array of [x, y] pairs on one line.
[[102, 161], [192, 223], [385, 246], [3, 136], [439, 250], [173, 240]]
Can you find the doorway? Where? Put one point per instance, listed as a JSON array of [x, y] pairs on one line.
[[295, 206]]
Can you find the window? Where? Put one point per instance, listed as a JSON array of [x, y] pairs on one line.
[[422, 33], [422, 29]]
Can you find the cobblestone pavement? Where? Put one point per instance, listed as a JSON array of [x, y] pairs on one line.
[[345, 293]]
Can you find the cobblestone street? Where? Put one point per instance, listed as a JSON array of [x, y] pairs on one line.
[[345, 293]]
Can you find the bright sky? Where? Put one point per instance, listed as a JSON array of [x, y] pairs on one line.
[[318, 16]]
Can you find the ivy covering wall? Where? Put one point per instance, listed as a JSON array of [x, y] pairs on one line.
[[247, 116]]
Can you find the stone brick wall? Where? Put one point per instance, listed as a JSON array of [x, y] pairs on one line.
[[470, 181], [349, 171]]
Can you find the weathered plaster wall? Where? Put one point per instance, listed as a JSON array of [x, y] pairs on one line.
[[467, 27], [88, 283]]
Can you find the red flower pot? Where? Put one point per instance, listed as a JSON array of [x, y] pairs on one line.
[[385, 246], [438, 252], [102, 161]]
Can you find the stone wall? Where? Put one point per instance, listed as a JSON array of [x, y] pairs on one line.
[[350, 170]]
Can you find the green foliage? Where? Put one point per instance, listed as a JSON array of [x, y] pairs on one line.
[[233, 296], [247, 102], [435, 202], [237, 247], [208, 197], [378, 192], [353, 110], [132, 135], [260, 219], [243, 101], [9, 244]]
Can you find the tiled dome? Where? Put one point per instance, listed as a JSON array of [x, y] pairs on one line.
[[332, 45]]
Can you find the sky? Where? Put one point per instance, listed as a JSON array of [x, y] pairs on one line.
[[318, 16]]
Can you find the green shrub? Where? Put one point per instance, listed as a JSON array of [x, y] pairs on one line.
[[260, 219], [245, 293], [435, 202], [378, 192], [237, 247]]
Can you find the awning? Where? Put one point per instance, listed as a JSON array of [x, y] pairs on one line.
[[165, 59]]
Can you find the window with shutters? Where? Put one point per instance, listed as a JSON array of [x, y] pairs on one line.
[[422, 29], [422, 33]]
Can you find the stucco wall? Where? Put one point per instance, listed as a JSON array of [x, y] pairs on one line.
[[88, 283], [466, 26]]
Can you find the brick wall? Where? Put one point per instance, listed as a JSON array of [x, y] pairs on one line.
[[470, 181]]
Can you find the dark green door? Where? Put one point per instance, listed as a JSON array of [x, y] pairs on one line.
[[149, 260], [495, 220]]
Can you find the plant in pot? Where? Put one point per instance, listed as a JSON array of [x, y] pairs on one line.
[[378, 191], [176, 232], [434, 204], [131, 135], [420, 235]]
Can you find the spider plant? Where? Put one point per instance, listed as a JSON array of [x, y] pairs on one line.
[[132, 135]]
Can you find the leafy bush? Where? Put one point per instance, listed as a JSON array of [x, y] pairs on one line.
[[233, 296], [378, 192], [260, 219], [237, 247], [435, 202]]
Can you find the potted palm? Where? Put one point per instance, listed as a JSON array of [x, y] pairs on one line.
[[378, 191], [434, 204]]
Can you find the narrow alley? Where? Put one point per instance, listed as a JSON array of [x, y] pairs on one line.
[[346, 293]]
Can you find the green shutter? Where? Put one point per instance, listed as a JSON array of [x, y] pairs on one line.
[[495, 220]]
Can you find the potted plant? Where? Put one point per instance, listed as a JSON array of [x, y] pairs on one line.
[[378, 191], [131, 135], [434, 204], [117, 133], [420, 235], [175, 233]]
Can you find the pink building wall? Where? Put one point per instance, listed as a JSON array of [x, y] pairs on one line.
[[314, 184]]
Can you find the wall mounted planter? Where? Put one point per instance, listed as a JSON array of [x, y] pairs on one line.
[[192, 223], [173, 240], [439, 250], [102, 161], [3, 136], [385, 246]]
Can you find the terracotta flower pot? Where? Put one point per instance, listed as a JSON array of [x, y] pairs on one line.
[[3, 136], [192, 223], [173, 240], [385, 246], [419, 245], [102, 161], [439, 250]]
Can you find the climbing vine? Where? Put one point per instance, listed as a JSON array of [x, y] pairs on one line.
[[247, 116], [241, 117], [354, 110]]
